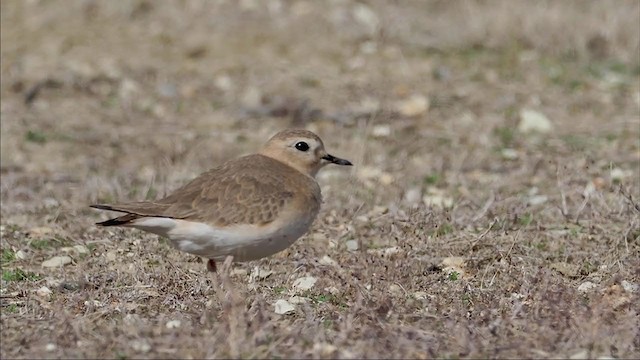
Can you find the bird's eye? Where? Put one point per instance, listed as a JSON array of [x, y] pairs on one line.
[[302, 146]]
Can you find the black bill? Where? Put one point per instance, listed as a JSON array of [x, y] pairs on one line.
[[337, 161]]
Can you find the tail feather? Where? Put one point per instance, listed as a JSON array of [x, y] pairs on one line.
[[119, 221]]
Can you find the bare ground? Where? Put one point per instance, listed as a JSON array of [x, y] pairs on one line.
[[474, 238]]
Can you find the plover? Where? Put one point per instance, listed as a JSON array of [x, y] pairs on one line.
[[249, 208]]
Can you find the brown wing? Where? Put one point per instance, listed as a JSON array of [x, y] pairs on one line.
[[250, 190]]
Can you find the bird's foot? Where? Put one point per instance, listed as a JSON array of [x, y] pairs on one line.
[[211, 266]]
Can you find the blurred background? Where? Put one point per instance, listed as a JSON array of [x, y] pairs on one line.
[[504, 134]]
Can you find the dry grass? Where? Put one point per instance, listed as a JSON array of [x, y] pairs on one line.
[[129, 99]]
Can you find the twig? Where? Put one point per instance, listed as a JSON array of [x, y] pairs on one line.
[[629, 198], [485, 207]]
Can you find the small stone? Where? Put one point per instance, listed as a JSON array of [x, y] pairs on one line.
[[413, 195], [298, 300], [223, 82], [413, 106], [56, 261], [332, 290], [111, 256], [537, 200], [283, 307], [629, 287], [21, 255], [40, 231], [437, 200], [420, 295], [50, 347], [80, 249], [364, 15], [395, 290], [509, 154], [533, 121], [304, 283], [582, 354], [324, 349], [50, 203], [326, 260], [252, 97], [44, 292], [260, 274], [566, 269], [586, 286], [352, 245], [239, 272], [618, 174], [454, 264], [173, 324], [380, 131], [141, 346]]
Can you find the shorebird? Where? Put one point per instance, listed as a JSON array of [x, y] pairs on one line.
[[248, 208]]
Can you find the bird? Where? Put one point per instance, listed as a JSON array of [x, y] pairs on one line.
[[249, 207]]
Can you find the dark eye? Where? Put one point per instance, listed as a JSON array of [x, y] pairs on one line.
[[302, 146]]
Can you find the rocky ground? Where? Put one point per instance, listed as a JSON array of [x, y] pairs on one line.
[[493, 209]]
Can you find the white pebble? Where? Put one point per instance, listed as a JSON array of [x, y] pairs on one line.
[[304, 283], [173, 324], [56, 261], [283, 307], [586, 287]]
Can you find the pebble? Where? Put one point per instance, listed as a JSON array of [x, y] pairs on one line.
[[380, 131], [44, 292], [368, 18], [283, 307], [586, 286], [509, 154], [56, 261], [413, 195], [173, 324], [352, 245], [298, 300], [629, 287], [304, 283], [413, 106], [111, 256], [141, 346], [50, 347], [395, 290], [534, 121], [326, 260], [21, 255]]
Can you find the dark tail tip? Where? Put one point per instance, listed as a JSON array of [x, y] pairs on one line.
[[101, 207], [112, 222]]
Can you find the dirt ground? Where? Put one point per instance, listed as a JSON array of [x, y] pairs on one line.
[[493, 209]]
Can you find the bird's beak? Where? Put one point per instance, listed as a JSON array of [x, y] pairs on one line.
[[337, 161]]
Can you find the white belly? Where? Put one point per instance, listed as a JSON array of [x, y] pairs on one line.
[[243, 242]]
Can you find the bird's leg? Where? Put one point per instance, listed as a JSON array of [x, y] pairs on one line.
[[211, 266]]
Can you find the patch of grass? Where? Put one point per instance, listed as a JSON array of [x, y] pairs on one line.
[[321, 298], [442, 229], [19, 275], [542, 246], [432, 179], [506, 135], [12, 308], [41, 244], [35, 136], [526, 219], [454, 276], [279, 289], [7, 256]]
